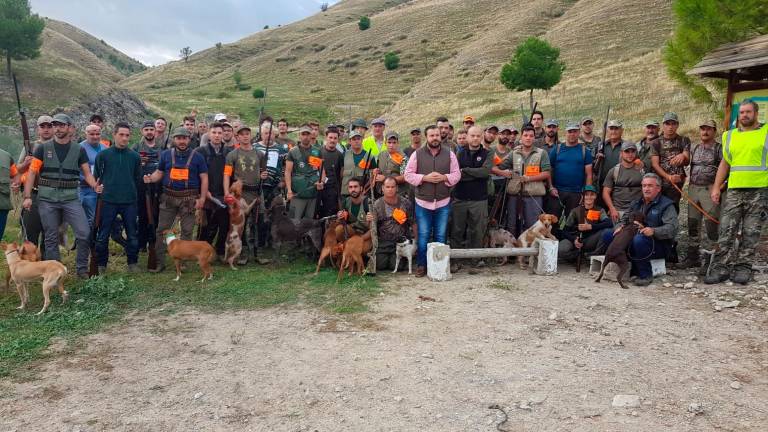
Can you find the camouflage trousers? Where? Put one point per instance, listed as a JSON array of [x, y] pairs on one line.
[[743, 209], [700, 195]]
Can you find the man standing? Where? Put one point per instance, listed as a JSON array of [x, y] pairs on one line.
[[227, 135], [584, 228], [315, 126], [30, 218], [645, 145], [470, 206], [282, 136], [58, 164], [550, 138], [244, 163], [444, 126], [357, 162], [611, 153], [744, 163], [303, 176], [655, 238], [98, 120], [587, 137], [333, 163], [705, 159], [119, 171], [622, 185], [273, 185], [375, 143], [528, 170], [433, 170], [92, 146], [537, 121], [461, 139], [149, 154], [217, 217], [669, 157], [160, 131], [571, 171], [497, 155], [469, 121], [415, 142], [9, 179], [393, 221], [184, 176], [391, 164], [360, 126], [189, 125], [490, 135]]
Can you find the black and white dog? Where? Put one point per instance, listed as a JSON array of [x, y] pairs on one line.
[[405, 249]]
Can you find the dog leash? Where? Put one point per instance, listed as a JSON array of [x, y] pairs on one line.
[[696, 206]]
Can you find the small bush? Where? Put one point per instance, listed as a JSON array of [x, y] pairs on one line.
[[364, 23], [351, 64], [391, 61], [258, 93], [223, 94]]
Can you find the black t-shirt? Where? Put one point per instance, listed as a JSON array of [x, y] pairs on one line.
[[333, 162], [61, 153]]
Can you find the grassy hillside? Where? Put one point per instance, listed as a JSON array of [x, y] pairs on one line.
[[451, 54]]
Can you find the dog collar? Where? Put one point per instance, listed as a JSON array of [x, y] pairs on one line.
[[169, 238]]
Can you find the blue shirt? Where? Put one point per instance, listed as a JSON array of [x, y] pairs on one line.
[[568, 167], [177, 170], [91, 151]]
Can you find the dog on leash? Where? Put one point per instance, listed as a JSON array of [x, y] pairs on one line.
[[28, 252], [618, 250], [190, 250], [501, 238], [404, 249], [51, 272], [541, 230], [233, 248]]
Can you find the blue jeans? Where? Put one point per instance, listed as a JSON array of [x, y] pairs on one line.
[[642, 250], [109, 214], [88, 198], [430, 222], [3, 220]]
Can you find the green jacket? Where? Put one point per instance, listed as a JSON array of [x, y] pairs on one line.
[[6, 161]]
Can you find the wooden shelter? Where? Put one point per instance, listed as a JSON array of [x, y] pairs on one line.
[[743, 64]]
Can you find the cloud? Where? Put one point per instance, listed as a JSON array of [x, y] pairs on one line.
[[154, 32]]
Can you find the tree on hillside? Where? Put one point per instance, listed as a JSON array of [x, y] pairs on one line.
[[324, 7], [19, 31], [703, 25], [391, 61], [536, 65], [185, 53], [218, 49], [364, 23]]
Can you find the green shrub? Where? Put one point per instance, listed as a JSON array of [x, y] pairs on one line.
[[391, 61], [364, 23], [258, 93]]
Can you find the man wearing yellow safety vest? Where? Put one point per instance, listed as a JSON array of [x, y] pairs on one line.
[[745, 163], [376, 143]]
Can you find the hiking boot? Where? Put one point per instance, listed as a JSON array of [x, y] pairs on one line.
[[102, 270], [83, 276], [643, 281], [158, 269], [716, 275], [421, 272], [742, 275], [133, 268]]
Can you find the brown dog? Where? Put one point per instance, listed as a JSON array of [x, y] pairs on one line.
[[617, 251], [51, 272], [541, 230], [333, 237], [239, 208], [189, 250], [499, 237], [352, 256], [28, 252]]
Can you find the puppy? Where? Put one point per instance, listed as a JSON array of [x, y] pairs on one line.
[[51, 272], [28, 252], [617, 251], [234, 247], [501, 238], [352, 256], [541, 230], [405, 249], [189, 250]]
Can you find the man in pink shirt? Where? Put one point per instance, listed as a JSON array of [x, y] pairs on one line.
[[433, 170]]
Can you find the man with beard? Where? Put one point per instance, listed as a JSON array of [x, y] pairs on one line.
[[470, 206], [30, 218], [189, 124], [376, 143], [587, 137], [355, 206], [571, 171], [497, 154], [669, 157], [58, 164], [444, 126], [303, 176], [227, 135], [550, 139], [282, 136], [469, 121], [415, 142], [433, 170], [184, 176], [149, 155], [489, 136], [355, 162], [537, 121], [622, 185], [645, 145], [333, 163], [744, 164], [217, 218], [394, 215], [160, 131], [528, 169]]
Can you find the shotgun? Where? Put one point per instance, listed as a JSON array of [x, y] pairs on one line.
[[580, 257], [23, 118], [600, 151], [93, 265], [168, 132], [374, 233], [519, 204], [262, 167]]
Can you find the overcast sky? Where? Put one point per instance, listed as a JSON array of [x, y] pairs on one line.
[[153, 31]]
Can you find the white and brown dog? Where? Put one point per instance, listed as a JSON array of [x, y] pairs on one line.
[[405, 249], [51, 272], [541, 230], [501, 238]]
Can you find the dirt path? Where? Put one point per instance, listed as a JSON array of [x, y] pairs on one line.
[[553, 352]]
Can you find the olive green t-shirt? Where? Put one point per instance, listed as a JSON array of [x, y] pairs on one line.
[[245, 165], [626, 185]]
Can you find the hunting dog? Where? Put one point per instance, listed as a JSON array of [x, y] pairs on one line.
[[352, 256], [501, 238], [51, 272], [190, 250], [541, 230], [28, 252], [238, 208], [404, 249], [618, 250], [333, 243], [286, 230], [234, 247]]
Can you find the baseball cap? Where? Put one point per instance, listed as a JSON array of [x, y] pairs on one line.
[[586, 119], [359, 123], [652, 123], [241, 128], [393, 135], [418, 130], [61, 118], [180, 131], [492, 127], [551, 122], [615, 123], [505, 128], [628, 145], [572, 126], [513, 129], [710, 123], [589, 188], [469, 118], [304, 129], [44, 119], [670, 116], [378, 121], [148, 123], [96, 116], [220, 117], [355, 134]]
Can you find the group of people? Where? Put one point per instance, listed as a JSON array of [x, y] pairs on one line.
[[444, 185]]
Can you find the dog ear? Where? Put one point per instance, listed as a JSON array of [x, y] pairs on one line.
[[554, 219], [542, 217]]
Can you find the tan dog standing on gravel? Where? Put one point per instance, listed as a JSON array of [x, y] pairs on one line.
[[51, 272], [190, 250], [541, 230], [28, 252]]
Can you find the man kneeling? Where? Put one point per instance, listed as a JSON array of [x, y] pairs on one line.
[[584, 228], [655, 240], [393, 220]]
